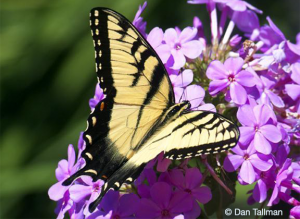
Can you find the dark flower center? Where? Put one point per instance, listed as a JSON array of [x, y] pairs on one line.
[[116, 217], [246, 156], [256, 128], [188, 191], [231, 78], [165, 213], [96, 188], [177, 46], [262, 175]]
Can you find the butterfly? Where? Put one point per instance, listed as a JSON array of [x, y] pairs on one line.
[[139, 119]]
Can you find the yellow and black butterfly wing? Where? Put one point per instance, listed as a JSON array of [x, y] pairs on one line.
[[137, 90], [192, 134]]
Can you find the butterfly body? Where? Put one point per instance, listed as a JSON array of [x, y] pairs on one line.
[[138, 119]]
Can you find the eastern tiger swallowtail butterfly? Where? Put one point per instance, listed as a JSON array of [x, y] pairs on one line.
[[139, 118]]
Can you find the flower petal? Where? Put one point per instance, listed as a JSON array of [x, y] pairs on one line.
[[164, 52], [246, 78], [128, 205], [232, 162], [261, 144], [234, 65], [71, 156], [155, 37], [216, 71], [246, 116], [57, 191], [187, 34], [179, 59], [271, 133], [275, 99], [61, 172], [171, 36], [161, 193], [247, 172], [180, 202], [192, 49], [194, 94], [260, 191], [261, 162], [193, 178], [202, 194], [293, 90], [246, 135], [80, 192], [148, 209], [216, 86], [238, 93]]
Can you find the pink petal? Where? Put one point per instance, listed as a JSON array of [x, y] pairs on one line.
[[296, 72], [187, 34], [276, 100], [195, 94], [177, 178], [71, 156], [260, 191], [80, 192], [232, 162], [260, 164], [164, 52], [155, 37], [147, 208], [271, 132], [261, 144], [180, 202], [238, 93], [263, 114], [171, 36], [193, 178], [161, 193], [234, 65], [246, 116], [194, 213], [293, 90], [183, 79], [216, 71], [179, 59], [246, 135], [57, 191], [216, 86], [128, 205], [247, 172], [62, 171], [246, 78], [202, 194], [192, 49], [207, 107], [179, 94]]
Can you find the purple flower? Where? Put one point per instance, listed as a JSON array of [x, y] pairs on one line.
[[267, 96], [190, 183], [180, 82], [284, 175], [63, 206], [230, 74], [293, 90], [259, 127], [164, 203], [138, 20], [181, 46], [88, 190], [64, 170], [155, 38], [249, 160], [97, 98], [114, 206], [295, 212]]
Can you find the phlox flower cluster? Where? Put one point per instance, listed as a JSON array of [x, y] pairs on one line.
[[252, 78]]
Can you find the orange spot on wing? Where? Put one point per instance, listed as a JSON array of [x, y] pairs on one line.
[[102, 106]]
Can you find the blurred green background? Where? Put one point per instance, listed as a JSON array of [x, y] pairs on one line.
[[47, 78]]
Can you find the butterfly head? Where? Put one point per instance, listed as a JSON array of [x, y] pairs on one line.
[[178, 109]]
